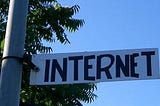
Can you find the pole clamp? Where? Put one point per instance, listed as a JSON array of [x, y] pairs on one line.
[[25, 59]]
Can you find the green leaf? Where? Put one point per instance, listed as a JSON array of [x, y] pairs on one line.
[[2, 45]]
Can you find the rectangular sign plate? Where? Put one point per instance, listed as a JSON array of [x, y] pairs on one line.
[[97, 66]]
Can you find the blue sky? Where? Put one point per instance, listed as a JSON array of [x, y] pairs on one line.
[[117, 25]]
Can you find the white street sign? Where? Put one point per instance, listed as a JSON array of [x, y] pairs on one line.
[[98, 66]]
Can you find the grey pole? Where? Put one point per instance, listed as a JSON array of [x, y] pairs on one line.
[[11, 71]]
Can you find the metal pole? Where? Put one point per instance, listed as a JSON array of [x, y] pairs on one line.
[[11, 71]]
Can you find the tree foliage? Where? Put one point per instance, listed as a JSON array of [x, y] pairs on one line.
[[48, 20]]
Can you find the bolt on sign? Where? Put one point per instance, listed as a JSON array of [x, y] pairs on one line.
[[97, 66]]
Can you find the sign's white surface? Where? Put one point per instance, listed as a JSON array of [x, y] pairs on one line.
[[98, 66]]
